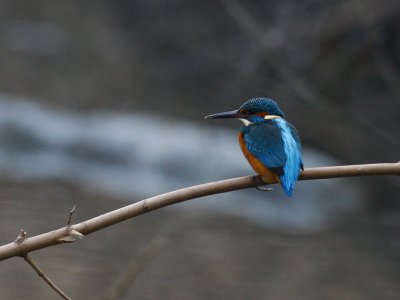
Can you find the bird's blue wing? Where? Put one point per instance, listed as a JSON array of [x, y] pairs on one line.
[[296, 138], [277, 145], [265, 142]]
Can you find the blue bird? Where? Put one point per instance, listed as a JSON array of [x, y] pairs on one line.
[[270, 143]]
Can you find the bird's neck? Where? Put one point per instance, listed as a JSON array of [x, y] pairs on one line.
[[254, 120], [257, 119]]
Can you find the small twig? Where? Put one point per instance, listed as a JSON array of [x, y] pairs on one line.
[[21, 237], [46, 278], [20, 241], [70, 215], [72, 234]]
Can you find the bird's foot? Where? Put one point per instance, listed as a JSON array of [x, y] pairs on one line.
[[264, 188]]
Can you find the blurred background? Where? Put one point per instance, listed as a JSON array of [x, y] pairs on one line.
[[102, 105]]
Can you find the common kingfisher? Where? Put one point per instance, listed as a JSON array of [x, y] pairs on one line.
[[270, 143]]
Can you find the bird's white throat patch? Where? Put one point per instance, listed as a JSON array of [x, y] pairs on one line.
[[245, 122]]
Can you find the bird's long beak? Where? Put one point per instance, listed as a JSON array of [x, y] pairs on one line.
[[234, 114]]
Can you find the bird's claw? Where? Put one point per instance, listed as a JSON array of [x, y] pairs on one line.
[[264, 189]]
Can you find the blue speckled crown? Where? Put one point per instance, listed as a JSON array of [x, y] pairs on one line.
[[258, 105]]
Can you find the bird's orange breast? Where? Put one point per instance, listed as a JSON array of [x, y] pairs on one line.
[[266, 174]]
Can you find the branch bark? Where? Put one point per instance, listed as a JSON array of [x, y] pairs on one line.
[[72, 232]]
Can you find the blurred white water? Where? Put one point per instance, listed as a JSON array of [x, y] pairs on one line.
[[141, 155]]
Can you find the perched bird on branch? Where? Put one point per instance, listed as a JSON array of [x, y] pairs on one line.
[[268, 141]]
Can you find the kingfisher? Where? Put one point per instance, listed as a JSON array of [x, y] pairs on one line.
[[270, 143]]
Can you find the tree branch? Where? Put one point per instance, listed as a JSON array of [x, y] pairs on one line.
[[72, 232], [46, 278], [19, 241]]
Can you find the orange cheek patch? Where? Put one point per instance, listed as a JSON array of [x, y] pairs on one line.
[[262, 115]]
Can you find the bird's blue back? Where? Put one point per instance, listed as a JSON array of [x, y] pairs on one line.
[[276, 144]]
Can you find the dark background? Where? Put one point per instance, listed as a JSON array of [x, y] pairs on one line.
[[334, 67]]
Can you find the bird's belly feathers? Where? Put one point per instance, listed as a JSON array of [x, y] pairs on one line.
[[266, 174]]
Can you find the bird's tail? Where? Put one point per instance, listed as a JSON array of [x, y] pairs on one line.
[[287, 185]]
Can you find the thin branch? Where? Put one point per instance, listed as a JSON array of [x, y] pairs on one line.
[[73, 232], [20, 243], [46, 278], [21, 237], [70, 215]]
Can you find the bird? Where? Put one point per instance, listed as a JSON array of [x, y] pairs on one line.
[[270, 143]]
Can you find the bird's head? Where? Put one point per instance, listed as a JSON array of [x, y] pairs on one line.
[[252, 111]]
